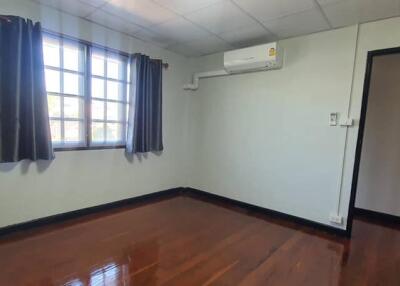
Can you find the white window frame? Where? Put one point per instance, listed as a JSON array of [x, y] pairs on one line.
[[87, 120]]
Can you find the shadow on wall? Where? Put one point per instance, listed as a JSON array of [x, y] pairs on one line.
[[25, 165], [141, 156]]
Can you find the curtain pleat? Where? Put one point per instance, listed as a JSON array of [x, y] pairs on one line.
[[24, 121], [145, 112]]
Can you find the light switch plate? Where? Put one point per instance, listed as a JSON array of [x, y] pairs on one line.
[[333, 119]]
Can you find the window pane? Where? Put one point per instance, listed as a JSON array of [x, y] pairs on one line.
[[52, 80], [114, 111], [54, 105], [128, 87], [73, 107], [73, 83], [97, 88], [114, 69], [51, 52], [114, 132], [127, 112], [97, 65], [98, 132], [97, 110], [55, 127], [73, 131], [72, 57], [114, 90]]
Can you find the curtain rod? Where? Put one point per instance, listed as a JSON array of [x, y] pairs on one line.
[[5, 18]]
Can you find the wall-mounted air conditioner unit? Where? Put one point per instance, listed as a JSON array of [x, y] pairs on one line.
[[257, 58], [263, 57]]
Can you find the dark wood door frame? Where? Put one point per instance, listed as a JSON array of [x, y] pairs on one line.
[[361, 129]]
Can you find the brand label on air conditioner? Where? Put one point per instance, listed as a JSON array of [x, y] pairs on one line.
[[272, 52]]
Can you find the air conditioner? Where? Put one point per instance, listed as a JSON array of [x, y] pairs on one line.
[[262, 57], [257, 58]]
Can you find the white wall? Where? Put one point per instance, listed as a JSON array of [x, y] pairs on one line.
[[264, 138], [379, 180], [76, 180]]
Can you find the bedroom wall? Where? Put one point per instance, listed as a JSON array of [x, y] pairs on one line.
[[264, 138], [81, 179]]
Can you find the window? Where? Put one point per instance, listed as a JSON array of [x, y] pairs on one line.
[[108, 109], [65, 83], [87, 94]]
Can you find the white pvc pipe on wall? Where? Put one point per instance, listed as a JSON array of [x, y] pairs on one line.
[[197, 76]]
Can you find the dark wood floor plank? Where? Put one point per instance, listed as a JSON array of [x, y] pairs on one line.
[[187, 241]]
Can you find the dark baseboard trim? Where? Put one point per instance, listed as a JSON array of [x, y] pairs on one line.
[[87, 211], [58, 218], [268, 212], [377, 216]]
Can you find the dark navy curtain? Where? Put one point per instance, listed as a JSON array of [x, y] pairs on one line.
[[24, 122], [145, 112]]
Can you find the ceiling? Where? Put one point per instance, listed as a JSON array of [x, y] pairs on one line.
[[201, 27]]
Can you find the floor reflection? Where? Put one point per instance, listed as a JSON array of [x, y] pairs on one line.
[[138, 265], [108, 275], [74, 282]]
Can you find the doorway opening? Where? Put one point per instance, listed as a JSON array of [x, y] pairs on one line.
[[375, 189]]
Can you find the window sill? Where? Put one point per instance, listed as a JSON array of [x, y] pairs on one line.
[[92, 148]]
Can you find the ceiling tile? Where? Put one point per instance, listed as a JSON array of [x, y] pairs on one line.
[[186, 6], [324, 2], [247, 36], [349, 12], [142, 12], [185, 50], [180, 30], [154, 38], [221, 17], [76, 8], [306, 22], [113, 22], [209, 45], [273, 9], [209, 26], [95, 3]]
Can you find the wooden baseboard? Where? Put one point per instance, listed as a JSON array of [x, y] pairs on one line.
[[165, 194], [87, 211], [377, 216], [298, 220]]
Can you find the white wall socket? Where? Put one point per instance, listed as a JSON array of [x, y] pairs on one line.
[[336, 219]]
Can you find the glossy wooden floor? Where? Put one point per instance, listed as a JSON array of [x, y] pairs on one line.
[[187, 241]]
